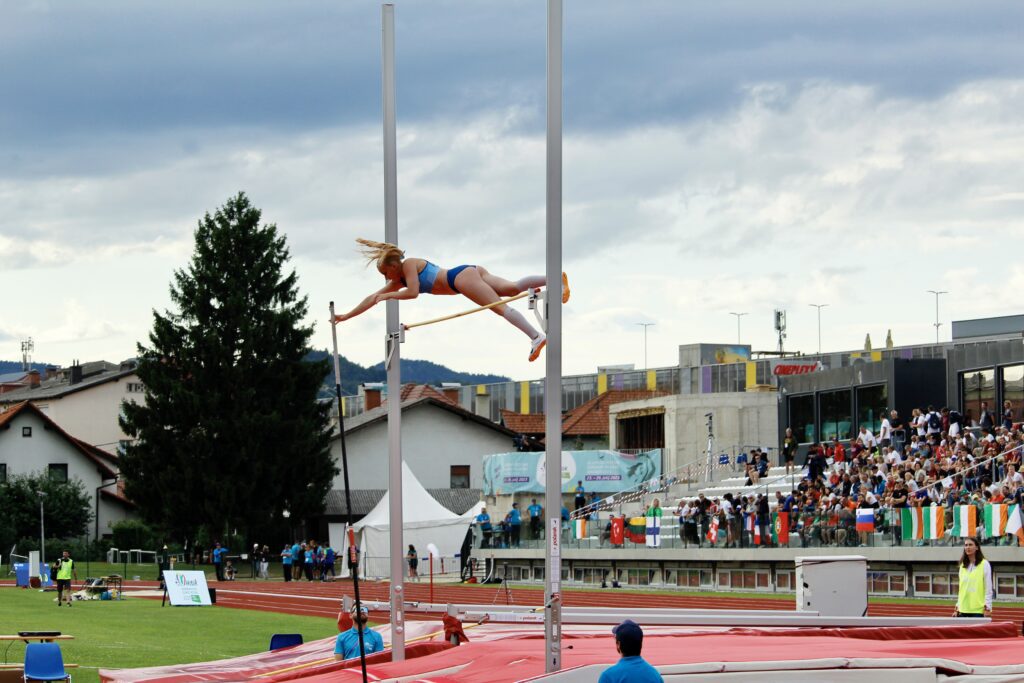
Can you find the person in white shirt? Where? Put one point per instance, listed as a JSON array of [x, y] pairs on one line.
[[885, 432], [918, 422], [867, 439]]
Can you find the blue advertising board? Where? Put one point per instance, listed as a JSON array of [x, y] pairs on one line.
[[600, 471]]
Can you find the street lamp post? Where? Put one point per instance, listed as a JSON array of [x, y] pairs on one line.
[[42, 530], [819, 307], [645, 326], [738, 316], [937, 323]]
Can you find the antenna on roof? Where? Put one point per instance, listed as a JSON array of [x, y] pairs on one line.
[[27, 347]]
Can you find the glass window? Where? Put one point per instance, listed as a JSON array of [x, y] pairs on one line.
[[723, 579], [922, 584], [872, 404], [1013, 390], [898, 583], [58, 472], [784, 580], [1005, 585], [460, 476], [801, 418], [26, 431], [977, 386], [836, 414]]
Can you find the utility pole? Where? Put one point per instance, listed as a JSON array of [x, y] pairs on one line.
[[738, 316], [42, 530], [819, 307], [645, 326], [937, 323]]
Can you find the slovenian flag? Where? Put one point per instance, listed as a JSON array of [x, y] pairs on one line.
[[579, 528], [653, 532], [965, 521], [865, 519], [924, 522]]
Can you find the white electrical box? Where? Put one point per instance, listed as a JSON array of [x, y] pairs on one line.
[[832, 585]]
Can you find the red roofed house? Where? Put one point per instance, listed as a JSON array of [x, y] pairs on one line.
[[30, 442]]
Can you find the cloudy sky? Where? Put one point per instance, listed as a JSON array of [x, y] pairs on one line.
[[727, 156]]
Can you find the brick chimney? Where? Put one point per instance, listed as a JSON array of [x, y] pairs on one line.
[[33, 378], [371, 394], [451, 391]]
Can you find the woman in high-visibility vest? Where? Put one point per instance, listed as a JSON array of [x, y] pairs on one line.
[[975, 596]]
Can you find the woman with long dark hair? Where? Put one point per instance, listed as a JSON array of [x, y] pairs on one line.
[[975, 594]]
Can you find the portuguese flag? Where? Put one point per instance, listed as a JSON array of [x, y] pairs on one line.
[[924, 522], [780, 528]]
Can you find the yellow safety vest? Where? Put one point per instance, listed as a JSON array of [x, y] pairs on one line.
[[66, 567], [971, 599]]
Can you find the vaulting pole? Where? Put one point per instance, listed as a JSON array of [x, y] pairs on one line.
[[392, 354], [553, 353]]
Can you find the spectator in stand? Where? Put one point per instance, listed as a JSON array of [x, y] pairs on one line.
[[899, 431], [752, 476], [789, 447], [536, 517], [1007, 422], [918, 423], [885, 433], [515, 520], [985, 419], [631, 668], [764, 520], [729, 512], [581, 496], [838, 455], [866, 438], [483, 520]]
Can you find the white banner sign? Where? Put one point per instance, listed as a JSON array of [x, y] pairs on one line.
[[186, 588]]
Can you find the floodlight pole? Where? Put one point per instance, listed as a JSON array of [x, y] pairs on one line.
[[738, 316], [553, 353], [937, 323], [392, 357], [42, 532], [819, 307]]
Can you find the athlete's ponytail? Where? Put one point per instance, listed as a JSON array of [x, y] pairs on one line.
[[380, 253]]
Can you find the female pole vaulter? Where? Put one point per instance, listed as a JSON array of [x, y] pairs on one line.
[[407, 278]]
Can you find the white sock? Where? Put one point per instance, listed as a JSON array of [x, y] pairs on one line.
[[517, 319], [530, 282]]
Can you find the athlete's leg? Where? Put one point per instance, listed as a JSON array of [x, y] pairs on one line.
[[475, 288], [505, 287]]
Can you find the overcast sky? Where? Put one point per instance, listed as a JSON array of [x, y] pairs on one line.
[[727, 156]]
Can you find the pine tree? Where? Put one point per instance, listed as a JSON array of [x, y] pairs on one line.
[[230, 434]]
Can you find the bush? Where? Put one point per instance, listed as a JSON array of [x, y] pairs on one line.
[[132, 533]]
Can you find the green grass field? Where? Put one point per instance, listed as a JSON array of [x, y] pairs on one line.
[[139, 632], [149, 572]]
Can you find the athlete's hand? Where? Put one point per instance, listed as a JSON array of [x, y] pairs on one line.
[[988, 612], [340, 318]]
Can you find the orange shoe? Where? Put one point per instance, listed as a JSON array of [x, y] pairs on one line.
[[565, 289], [536, 346]]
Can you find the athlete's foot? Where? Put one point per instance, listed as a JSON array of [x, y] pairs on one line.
[[536, 345], [565, 289]]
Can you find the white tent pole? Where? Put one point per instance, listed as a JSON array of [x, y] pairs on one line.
[[392, 354]]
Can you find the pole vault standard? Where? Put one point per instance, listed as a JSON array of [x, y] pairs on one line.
[[392, 359], [553, 376]]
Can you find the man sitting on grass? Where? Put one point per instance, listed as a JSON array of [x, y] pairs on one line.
[[347, 645]]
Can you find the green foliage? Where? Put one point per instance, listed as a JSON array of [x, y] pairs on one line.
[[67, 508], [230, 433], [133, 533]]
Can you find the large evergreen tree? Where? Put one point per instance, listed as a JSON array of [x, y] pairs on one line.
[[230, 434]]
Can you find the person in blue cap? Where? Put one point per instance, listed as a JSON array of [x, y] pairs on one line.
[[347, 644], [631, 668]]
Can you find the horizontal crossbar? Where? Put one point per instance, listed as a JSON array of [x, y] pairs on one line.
[[472, 310]]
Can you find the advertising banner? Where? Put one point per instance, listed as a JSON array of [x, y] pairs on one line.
[[600, 471], [784, 367], [186, 588]]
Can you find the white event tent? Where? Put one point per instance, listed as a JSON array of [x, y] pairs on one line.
[[426, 521]]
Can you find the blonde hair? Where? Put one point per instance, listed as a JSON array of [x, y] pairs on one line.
[[380, 253]]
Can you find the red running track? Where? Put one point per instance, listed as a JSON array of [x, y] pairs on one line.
[[319, 599]]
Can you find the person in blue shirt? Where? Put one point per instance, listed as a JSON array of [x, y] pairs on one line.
[[483, 520], [565, 521], [309, 560], [218, 560], [515, 520], [286, 562], [347, 644], [297, 560], [631, 668], [536, 515]]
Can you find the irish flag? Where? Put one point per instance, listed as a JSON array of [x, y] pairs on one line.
[[579, 527], [965, 521], [1002, 519], [923, 522]]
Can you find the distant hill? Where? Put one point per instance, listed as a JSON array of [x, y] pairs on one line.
[[418, 371]]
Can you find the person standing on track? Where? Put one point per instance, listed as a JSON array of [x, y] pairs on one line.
[[286, 562], [65, 568], [414, 562], [631, 668], [975, 596]]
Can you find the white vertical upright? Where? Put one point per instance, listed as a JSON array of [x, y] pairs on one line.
[[393, 355], [553, 353]]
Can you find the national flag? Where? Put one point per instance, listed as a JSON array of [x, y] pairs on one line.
[[1014, 523], [780, 528], [1001, 519], [748, 524], [923, 522], [712, 534], [636, 531], [653, 532], [618, 534], [757, 531], [579, 528], [865, 519], [965, 521]]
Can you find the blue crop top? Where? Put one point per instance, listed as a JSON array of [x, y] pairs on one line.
[[427, 277]]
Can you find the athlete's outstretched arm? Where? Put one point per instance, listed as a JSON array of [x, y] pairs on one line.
[[412, 288], [369, 302]]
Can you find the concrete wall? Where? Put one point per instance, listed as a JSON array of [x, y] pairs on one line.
[[740, 419], [91, 415], [433, 439], [29, 455]]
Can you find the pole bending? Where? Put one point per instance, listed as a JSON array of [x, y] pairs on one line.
[[407, 278]]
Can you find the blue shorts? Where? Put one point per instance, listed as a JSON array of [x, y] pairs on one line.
[[454, 273]]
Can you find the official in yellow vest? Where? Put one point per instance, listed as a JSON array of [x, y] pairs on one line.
[[975, 596], [65, 568]]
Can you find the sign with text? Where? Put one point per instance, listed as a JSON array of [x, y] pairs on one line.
[[784, 367], [599, 471], [186, 588]]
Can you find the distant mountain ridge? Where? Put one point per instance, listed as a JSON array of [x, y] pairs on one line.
[[418, 371]]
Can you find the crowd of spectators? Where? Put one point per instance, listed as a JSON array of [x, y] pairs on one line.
[[932, 459]]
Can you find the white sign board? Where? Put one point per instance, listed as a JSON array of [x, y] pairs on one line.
[[185, 588]]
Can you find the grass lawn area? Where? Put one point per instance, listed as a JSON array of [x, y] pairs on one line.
[[138, 632], [150, 572]]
